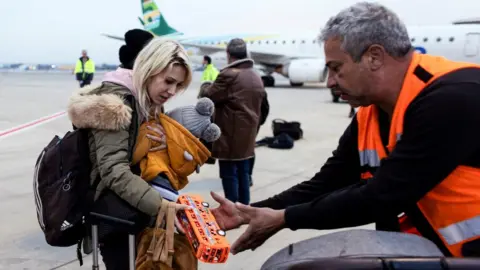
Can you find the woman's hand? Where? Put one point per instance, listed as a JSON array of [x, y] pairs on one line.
[[160, 137]]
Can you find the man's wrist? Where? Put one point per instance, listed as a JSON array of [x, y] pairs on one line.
[[280, 220]]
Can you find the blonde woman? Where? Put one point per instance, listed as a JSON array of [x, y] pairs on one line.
[[153, 70]]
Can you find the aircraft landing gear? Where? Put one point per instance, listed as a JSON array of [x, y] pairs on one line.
[[294, 84], [268, 81]]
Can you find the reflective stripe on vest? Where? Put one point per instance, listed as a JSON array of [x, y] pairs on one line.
[[369, 157], [461, 231], [452, 208]]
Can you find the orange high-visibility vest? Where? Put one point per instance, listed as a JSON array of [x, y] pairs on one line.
[[452, 208]]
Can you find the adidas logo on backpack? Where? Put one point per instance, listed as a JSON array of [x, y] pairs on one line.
[[65, 225]]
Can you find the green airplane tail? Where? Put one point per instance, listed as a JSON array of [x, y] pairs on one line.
[[154, 21]]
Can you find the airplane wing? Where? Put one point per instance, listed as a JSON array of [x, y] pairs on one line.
[[114, 37], [205, 48], [260, 57]]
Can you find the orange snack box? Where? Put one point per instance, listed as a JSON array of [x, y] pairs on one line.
[[207, 239]]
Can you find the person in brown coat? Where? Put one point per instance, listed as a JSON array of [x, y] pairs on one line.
[[238, 93]]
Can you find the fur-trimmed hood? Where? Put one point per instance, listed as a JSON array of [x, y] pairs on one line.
[[100, 107]]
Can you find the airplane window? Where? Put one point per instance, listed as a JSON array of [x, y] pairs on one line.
[[259, 42], [314, 41], [451, 39], [274, 42], [303, 41], [293, 41], [284, 42], [251, 42], [413, 39], [439, 39], [425, 39], [266, 41]]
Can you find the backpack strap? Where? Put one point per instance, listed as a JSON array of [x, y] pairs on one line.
[[133, 126]]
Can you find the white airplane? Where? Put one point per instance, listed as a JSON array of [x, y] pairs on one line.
[[299, 57], [295, 57]]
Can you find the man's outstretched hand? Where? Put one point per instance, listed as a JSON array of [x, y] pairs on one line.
[[263, 223], [226, 214]]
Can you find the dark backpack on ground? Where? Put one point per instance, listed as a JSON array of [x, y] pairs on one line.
[[293, 129]]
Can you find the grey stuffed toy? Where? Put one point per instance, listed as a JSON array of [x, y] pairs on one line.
[[197, 119]]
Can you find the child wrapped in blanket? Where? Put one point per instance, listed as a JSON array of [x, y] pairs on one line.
[[167, 170]]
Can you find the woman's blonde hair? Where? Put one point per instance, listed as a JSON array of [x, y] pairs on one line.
[[158, 55]]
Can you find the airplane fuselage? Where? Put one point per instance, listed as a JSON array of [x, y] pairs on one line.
[[298, 55], [455, 42]]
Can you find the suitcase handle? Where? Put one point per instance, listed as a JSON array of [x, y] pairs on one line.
[[110, 219], [94, 217]]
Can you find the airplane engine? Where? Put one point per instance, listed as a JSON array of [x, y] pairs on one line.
[[305, 70]]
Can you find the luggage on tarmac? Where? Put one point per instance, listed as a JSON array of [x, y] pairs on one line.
[[387, 263], [293, 128], [95, 219], [352, 249]]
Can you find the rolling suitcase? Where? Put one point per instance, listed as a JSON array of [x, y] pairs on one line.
[[94, 220], [352, 249]]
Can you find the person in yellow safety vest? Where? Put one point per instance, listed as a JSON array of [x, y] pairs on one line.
[[84, 69], [410, 159], [211, 72]]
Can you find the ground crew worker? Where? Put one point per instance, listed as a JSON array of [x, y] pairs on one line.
[[210, 72], [84, 69], [412, 148]]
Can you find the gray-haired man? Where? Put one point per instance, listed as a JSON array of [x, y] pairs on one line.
[[405, 150], [238, 94]]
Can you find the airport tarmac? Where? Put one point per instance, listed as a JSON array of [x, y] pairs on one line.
[[32, 106]]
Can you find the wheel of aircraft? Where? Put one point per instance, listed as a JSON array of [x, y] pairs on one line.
[[293, 84], [268, 81]]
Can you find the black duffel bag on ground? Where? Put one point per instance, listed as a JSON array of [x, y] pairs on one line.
[[293, 129], [282, 141]]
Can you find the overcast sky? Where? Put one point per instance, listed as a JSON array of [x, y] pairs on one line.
[[55, 31]]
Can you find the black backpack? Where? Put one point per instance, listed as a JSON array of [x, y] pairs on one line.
[[61, 186]]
